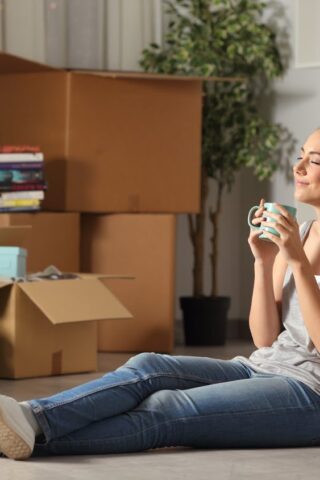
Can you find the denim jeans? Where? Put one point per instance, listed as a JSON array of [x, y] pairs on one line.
[[157, 400]]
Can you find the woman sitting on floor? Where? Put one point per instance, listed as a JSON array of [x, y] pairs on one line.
[[271, 399]]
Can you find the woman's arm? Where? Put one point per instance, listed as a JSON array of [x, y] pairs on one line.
[[265, 312]]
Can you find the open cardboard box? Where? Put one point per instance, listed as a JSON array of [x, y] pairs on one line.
[[113, 141], [49, 327]]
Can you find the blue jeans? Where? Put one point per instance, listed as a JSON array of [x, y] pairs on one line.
[[157, 400]]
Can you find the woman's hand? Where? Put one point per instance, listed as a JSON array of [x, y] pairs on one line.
[[263, 251], [289, 242]]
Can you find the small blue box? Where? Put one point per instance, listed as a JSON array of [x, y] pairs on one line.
[[13, 262]]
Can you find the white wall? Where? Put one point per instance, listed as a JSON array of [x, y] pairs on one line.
[[24, 28], [296, 105], [80, 33], [1, 25]]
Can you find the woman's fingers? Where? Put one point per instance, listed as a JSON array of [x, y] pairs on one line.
[[283, 211], [257, 220], [284, 214], [259, 210], [279, 218], [276, 226], [273, 237]]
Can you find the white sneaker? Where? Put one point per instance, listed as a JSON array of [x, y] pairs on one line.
[[16, 434]]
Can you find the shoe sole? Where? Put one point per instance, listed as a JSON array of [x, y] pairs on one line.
[[11, 444]]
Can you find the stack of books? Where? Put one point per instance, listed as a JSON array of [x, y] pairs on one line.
[[22, 179]]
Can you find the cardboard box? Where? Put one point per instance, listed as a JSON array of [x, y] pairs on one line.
[[48, 327], [113, 141], [144, 246], [53, 239]]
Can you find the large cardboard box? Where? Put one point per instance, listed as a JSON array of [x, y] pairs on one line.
[[49, 327], [113, 141], [53, 239], [144, 246]]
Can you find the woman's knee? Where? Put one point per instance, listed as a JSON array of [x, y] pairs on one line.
[[143, 359]]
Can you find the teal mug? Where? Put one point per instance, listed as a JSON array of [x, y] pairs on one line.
[[268, 207]]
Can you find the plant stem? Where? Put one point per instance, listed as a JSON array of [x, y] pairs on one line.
[[197, 234], [214, 217]]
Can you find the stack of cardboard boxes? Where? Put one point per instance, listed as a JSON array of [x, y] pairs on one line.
[[123, 157]]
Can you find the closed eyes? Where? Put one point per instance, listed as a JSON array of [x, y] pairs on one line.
[[310, 161]]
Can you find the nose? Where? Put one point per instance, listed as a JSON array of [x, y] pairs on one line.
[[300, 167]]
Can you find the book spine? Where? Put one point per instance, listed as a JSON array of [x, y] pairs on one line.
[[9, 177], [21, 165], [19, 209], [36, 194], [21, 157], [29, 202], [26, 186], [20, 148]]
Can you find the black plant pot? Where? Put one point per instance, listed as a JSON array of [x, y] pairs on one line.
[[205, 320]]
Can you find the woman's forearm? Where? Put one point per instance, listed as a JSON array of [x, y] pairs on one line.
[[264, 318]]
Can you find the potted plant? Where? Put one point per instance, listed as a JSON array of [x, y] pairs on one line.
[[221, 38]]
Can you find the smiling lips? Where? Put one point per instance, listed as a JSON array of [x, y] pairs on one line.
[[300, 183]]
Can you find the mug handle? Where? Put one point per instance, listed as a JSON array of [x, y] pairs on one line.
[[250, 214]]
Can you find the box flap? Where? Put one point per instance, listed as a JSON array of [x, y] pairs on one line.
[[13, 236], [4, 282], [156, 76], [101, 276], [13, 64], [66, 301]]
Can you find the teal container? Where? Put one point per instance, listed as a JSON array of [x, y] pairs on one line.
[[13, 262]]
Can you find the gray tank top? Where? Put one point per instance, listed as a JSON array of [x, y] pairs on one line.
[[293, 354]]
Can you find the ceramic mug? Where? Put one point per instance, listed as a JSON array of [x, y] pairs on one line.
[[268, 207]]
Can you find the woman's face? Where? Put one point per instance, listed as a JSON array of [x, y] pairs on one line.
[[307, 171]]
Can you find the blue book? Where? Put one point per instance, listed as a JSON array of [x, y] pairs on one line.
[[21, 176]]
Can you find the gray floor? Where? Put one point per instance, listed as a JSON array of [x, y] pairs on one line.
[[168, 463]]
